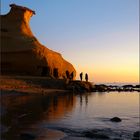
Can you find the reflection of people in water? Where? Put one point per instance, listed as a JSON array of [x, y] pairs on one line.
[[85, 98], [81, 76], [81, 100], [86, 77]]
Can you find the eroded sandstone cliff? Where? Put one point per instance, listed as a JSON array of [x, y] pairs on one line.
[[22, 53]]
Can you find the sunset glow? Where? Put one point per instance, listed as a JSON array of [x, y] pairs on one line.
[[98, 38]]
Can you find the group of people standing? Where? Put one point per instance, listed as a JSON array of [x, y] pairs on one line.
[[86, 76], [70, 76]]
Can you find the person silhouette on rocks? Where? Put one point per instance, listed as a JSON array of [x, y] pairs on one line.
[[81, 76], [86, 77], [71, 76], [67, 74]]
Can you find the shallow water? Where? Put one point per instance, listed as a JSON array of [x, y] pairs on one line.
[[93, 111], [76, 114]]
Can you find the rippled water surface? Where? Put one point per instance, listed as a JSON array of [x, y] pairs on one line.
[[93, 111], [76, 114]]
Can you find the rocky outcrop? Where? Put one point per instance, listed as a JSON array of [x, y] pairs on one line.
[[22, 53], [79, 86]]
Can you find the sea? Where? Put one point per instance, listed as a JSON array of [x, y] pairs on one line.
[[78, 116], [92, 112]]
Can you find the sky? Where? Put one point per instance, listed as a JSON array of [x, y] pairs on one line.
[[99, 37]]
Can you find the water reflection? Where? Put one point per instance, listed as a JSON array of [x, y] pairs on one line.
[[59, 105], [23, 110], [84, 99], [71, 112], [93, 111]]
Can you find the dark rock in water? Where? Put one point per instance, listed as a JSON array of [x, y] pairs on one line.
[[117, 139], [135, 139], [137, 134], [115, 119], [27, 136], [92, 134]]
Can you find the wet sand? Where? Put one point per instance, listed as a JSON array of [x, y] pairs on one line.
[[29, 84]]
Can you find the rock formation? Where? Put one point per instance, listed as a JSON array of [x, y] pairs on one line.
[[22, 53]]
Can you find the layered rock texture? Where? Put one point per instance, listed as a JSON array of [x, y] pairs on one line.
[[21, 52]]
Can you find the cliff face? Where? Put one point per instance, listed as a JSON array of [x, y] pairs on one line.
[[21, 52]]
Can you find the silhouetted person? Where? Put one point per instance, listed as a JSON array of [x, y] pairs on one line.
[[86, 77], [71, 76], [81, 76], [67, 74], [55, 73]]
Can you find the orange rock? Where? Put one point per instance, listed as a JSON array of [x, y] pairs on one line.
[[22, 53]]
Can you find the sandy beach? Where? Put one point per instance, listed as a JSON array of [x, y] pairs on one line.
[[30, 84]]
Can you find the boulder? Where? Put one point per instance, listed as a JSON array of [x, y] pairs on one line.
[[137, 134], [79, 86], [115, 119], [27, 136], [94, 134], [22, 53]]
